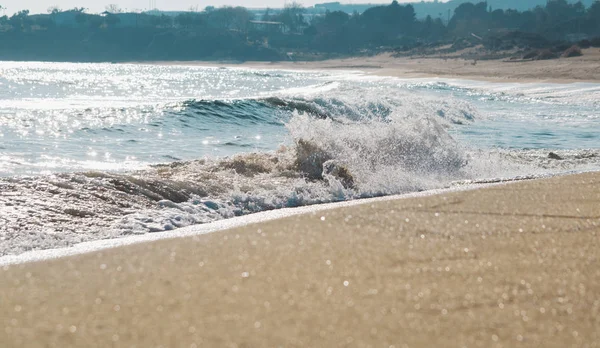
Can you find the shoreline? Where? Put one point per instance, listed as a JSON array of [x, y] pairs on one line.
[[486, 265], [511, 264], [235, 222], [584, 69], [37, 254], [89, 246], [44, 255]]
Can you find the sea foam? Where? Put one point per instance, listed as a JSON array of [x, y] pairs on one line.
[[191, 160]]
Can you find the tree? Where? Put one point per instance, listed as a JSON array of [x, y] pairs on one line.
[[228, 18], [185, 19], [240, 17], [332, 22], [400, 19], [557, 9], [53, 10], [80, 16], [165, 21], [526, 20], [267, 15], [470, 18], [594, 11], [331, 32], [113, 8], [111, 19], [292, 16], [20, 20], [593, 18], [95, 22], [432, 29]]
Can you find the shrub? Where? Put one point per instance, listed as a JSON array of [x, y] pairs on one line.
[[545, 55], [573, 51], [530, 54], [585, 44], [561, 47]]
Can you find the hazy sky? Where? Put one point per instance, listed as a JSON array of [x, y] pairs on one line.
[[41, 6]]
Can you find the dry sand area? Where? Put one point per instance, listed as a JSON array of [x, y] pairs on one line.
[[511, 265]]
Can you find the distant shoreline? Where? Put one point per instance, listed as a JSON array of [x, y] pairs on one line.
[[585, 68], [562, 70]]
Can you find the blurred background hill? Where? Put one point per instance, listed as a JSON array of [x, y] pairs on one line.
[[521, 29]]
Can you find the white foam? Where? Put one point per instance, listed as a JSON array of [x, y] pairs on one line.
[[392, 140], [89, 247], [308, 90], [576, 93]]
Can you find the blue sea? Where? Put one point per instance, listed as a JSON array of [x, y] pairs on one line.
[[97, 151]]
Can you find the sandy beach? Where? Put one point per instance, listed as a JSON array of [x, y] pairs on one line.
[[512, 265], [563, 70]]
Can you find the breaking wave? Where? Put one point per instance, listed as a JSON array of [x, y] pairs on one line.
[[353, 143]]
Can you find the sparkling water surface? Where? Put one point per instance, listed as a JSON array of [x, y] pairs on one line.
[[57, 117], [101, 151], [65, 117]]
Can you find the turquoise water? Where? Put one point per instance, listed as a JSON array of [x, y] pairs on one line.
[[69, 117], [95, 151], [65, 117], [535, 116]]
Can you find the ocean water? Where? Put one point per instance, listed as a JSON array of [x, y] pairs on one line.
[[97, 151]]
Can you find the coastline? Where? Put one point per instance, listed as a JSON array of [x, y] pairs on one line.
[[511, 264], [229, 223], [563, 70], [72, 225], [506, 265]]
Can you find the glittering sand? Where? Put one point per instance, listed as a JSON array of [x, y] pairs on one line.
[[514, 265]]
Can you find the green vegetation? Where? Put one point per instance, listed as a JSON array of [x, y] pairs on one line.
[[235, 32]]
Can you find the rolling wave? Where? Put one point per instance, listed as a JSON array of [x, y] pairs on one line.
[[230, 157]]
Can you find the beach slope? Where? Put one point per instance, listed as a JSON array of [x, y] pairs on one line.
[[515, 265]]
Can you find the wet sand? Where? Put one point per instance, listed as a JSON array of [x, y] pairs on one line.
[[511, 265]]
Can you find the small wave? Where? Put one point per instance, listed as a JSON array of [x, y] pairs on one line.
[[229, 111], [264, 73], [328, 87], [340, 105]]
